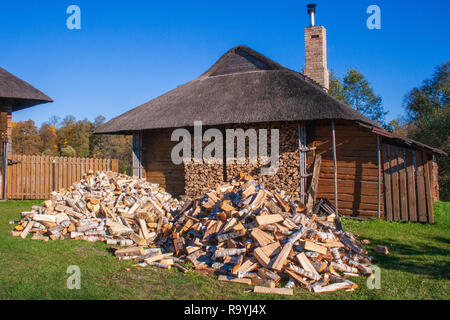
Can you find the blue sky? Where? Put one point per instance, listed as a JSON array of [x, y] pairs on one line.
[[129, 52]]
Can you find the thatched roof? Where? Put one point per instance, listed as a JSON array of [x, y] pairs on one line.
[[17, 93], [243, 86]]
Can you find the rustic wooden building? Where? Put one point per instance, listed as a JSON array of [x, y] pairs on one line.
[[15, 94], [371, 172]]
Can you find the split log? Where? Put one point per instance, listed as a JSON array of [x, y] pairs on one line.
[[305, 263], [269, 275], [269, 219], [311, 246], [236, 280], [27, 229], [332, 287], [304, 273], [281, 291], [282, 256]]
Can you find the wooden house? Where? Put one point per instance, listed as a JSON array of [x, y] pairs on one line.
[[365, 170]]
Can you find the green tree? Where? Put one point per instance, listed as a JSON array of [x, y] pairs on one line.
[[428, 108], [361, 96], [111, 146], [76, 134], [400, 126], [355, 90], [336, 89], [80, 137], [68, 152]]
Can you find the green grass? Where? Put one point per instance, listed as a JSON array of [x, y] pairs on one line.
[[417, 267]]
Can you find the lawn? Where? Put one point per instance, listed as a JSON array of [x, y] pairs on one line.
[[417, 267]]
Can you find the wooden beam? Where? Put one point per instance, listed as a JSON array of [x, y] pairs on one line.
[[395, 185], [312, 192], [302, 159], [429, 192], [387, 181], [411, 186], [421, 190], [403, 185], [5, 170], [333, 133], [137, 154], [379, 175]]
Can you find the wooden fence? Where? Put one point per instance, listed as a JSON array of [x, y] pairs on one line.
[[407, 184], [35, 177]]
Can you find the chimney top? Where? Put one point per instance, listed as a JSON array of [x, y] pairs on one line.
[[311, 9], [316, 51]]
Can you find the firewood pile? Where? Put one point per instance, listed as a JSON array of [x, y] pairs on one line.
[[109, 207], [239, 231], [251, 235]]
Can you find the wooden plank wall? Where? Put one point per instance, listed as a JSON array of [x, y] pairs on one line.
[[1, 169], [31, 177], [357, 168], [158, 166], [407, 184]]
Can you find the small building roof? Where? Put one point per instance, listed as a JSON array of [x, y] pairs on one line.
[[19, 94]]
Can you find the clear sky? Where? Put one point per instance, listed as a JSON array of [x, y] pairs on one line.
[[129, 52]]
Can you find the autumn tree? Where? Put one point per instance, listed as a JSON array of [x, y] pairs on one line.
[[71, 138], [65, 131], [49, 139], [25, 138], [80, 136]]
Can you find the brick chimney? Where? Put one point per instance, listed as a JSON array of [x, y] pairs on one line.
[[316, 51]]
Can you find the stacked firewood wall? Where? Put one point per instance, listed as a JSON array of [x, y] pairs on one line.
[[202, 177]]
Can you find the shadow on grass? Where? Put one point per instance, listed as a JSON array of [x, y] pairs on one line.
[[440, 239], [422, 259]]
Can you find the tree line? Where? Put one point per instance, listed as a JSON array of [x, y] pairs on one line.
[[70, 137]]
